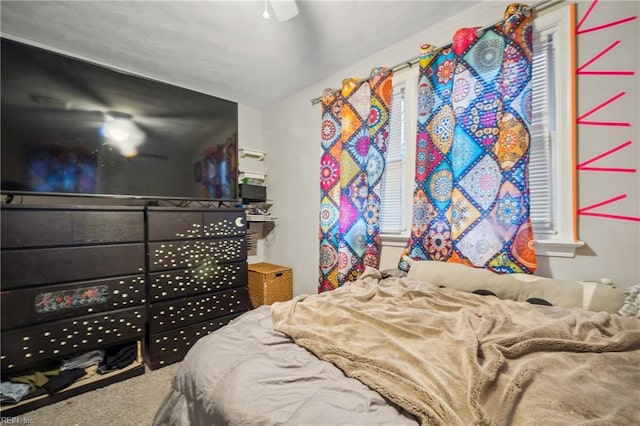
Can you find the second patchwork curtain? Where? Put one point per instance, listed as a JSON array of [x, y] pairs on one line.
[[355, 128]]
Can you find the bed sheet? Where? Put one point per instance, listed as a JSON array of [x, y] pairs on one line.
[[248, 374]]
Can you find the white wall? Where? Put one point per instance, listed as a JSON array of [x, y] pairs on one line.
[[612, 247], [291, 137], [250, 137]]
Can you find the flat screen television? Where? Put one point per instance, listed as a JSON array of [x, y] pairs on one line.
[[77, 128]]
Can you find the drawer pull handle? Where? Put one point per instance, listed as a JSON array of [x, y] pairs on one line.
[[279, 274]]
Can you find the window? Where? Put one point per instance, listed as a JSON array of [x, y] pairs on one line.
[[551, 162], [392, 219], [542, 133], [397, 182], [551, 165]]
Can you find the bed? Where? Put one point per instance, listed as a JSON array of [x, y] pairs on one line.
[[406, 351]]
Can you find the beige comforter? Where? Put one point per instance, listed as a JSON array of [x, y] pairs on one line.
[[458, 358]]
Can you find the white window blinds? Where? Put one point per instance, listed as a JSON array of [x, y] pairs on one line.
[[392, 193], [542, 129]]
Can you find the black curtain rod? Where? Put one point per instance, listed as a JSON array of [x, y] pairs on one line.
[[411, 62]]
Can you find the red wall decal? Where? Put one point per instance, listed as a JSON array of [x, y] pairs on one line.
[[581, 69], [585, 211], [581, 119], [583, 165], [599, 27]]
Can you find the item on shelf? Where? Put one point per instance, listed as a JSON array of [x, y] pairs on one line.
[[253, 193], [258, 211], [252, 181], [252, 178]]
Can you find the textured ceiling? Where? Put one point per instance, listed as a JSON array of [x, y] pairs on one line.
[[223, 48]]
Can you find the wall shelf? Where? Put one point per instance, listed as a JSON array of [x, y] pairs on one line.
[[260, 218], [251, 153]]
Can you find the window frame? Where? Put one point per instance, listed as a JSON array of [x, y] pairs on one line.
[[564, 242], [401, 215], [407, 80]]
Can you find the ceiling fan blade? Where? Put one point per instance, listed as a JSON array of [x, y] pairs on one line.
[[47, 84], [59, 118], [76, 93], [284, 9]]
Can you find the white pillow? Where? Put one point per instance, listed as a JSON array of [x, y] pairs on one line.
[[570, 294]]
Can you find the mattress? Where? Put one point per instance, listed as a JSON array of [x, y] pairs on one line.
[[248, 374]]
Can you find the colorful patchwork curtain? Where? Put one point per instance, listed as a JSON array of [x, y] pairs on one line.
[[471, 200], [355, 128]]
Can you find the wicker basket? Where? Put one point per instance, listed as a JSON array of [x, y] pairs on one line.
[[269, 283]]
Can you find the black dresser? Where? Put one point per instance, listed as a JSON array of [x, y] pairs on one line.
[[73, 280], [197, 277]]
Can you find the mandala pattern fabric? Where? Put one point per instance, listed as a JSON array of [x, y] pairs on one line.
[[355, 128], [471, 199]]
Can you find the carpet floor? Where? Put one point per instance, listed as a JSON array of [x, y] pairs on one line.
[[127, 403]]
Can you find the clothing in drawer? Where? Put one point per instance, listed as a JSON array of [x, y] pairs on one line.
[[199, 254], [28, 345], [34, 305], [173, 345], [31, 267], [26, 228], [191, 281], [179, 313]]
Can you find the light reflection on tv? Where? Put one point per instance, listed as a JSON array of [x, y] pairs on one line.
[[59, 170], [219, 170]]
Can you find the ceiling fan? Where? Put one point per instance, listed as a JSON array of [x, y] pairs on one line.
[[122, 133], [283, 9]]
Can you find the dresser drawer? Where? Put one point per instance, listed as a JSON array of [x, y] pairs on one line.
[[40, 228], [192, 281], [45, 266], [173, 345], [184, 225], [174, 225], [46, 303], [203, 254], [29, 228], [179, 313], [28, 345], [224, 223], [107, 227]]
